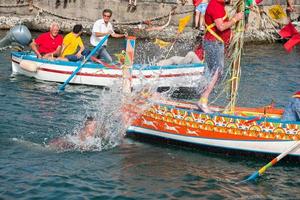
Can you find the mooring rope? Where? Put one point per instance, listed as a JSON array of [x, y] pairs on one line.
[[153, 19], [14, 5], [41, 10]]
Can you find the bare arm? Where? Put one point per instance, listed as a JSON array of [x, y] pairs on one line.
[[99, 34], [55, 53], [33, 46], [222, 25], [116, 35], [80, 51]]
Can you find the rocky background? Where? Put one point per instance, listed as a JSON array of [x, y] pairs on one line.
[[38, 14]]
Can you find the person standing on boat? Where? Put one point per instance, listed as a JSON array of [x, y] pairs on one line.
[[48, 45], [101, 28], [72, 41], [217, 35], [292, 109]]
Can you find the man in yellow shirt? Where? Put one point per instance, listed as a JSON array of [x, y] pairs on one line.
[[71, 43]]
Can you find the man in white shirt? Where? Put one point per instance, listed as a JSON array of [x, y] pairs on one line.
[[101, 28]]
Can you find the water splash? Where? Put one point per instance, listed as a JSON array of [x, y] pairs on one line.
[[113, 113]]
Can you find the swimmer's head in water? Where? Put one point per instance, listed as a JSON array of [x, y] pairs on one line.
[[88, 120], [90, 126]]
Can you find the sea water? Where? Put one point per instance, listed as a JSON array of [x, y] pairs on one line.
[[32, 114]]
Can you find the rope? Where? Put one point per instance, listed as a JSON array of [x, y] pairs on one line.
[[14, 5], [153, 19], [41, 10]]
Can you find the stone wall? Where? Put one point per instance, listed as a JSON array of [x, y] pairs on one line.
[[90, 10], [41, 13]]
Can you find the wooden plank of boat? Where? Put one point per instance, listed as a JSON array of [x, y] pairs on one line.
[[180, 121], [106, 75]]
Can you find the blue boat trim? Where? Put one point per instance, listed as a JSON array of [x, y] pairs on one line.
[[32, 57]]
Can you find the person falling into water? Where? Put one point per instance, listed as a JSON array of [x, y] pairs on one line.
[[88, 132]]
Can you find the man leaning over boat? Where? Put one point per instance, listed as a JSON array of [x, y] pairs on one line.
[[48, 45]]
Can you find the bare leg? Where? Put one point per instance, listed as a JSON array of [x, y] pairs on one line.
[[175, 60], [204, 98], [197, 16], [201, 22], [190, 58]]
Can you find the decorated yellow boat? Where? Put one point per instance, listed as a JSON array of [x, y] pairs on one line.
[[246, 129], [235, 128]]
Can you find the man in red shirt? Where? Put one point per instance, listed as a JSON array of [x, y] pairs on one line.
[[217, 35], [48, 45]]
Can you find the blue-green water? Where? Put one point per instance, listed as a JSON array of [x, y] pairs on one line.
[[31, 113]]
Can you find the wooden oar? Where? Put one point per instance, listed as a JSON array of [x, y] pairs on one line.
[[62, 87], [258, 173]]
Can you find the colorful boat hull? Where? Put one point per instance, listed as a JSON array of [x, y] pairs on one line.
[[241, 130], [106, 75]]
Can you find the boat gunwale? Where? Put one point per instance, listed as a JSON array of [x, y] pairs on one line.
[[263, 118], [30, 56]]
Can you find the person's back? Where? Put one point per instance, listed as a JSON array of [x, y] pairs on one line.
[[292, 109]]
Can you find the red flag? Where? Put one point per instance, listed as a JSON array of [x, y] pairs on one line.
[[258, 1], [292, 42], [288, 31]]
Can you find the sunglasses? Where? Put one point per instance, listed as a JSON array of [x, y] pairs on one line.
[[106, 15]]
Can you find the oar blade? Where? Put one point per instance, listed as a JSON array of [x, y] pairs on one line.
[[61, 88], [253, 176]]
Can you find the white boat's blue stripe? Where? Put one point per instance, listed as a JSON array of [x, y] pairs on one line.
[[30, 56]]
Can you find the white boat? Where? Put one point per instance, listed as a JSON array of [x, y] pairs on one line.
[[28, 64]]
